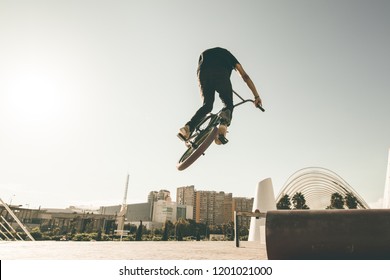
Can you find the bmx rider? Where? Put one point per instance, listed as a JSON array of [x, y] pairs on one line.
[[214, 70]]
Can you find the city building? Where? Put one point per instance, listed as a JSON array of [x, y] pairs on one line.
[[134, 214], [186, 196], [57, 221], [213, 208], [159, 209], [184, 212], [164, 210], [160, 195]]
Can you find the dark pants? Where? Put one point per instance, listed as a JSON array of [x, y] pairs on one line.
[[209, 82]]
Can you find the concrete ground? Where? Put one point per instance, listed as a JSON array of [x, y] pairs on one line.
[[142, 250]]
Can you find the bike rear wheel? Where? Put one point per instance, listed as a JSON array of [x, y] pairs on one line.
[[203, 141]]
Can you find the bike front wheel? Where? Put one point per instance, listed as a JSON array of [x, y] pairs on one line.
[[197, 149]]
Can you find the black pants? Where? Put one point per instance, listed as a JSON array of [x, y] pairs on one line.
[[209, 82]]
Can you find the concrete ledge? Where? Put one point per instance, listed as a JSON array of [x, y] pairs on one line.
[[328, 234]]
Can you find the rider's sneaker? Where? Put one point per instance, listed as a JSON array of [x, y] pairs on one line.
[[221, 135], [184, 133]]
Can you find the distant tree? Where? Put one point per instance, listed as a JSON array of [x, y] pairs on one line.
[[299, 201], [179, 233], [194, 229], [165, 234], [350, 201], [215, 229], [197, 235], [36, 233], [166, 231], [138, 234], [131, 228], [180, 228], [228, 231], [336, 201], [284, 203], [99, 235]]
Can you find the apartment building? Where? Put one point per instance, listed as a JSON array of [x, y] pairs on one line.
[[186, 196], [213, 207]]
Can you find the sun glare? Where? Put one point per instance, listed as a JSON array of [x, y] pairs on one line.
[[34, 97]]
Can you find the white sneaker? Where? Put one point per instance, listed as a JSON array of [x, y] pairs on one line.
[[184, 133]]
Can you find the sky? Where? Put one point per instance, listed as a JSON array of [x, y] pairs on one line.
[[93, 90]]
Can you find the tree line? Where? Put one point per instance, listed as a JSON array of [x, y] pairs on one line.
[[298, 201], [181, 230]]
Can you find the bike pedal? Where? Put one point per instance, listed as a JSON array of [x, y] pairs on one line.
[[223, 139]]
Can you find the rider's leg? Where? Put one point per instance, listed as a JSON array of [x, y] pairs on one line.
[[207, 92], [225, 91], [207, 107]]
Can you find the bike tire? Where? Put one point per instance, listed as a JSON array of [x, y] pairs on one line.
[[192, 154]]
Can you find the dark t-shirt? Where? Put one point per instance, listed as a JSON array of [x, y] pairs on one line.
[[217, 59]]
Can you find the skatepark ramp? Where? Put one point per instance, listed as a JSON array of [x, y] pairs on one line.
[[358, 234]]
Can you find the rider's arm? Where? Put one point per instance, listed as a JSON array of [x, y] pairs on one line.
[[250, 83]]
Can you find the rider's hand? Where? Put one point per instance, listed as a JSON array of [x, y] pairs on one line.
[[258, 102]]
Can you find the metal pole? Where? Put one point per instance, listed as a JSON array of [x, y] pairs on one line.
[[236, 232]]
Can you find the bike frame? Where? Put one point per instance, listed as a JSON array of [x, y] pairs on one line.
[[201, 138], [215, 118]]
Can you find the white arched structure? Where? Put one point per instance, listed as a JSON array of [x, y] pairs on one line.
[[317, 185]]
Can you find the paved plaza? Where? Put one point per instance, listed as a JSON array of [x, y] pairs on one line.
[[131, 250]]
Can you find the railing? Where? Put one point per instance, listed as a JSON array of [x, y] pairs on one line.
[[256, 214], [8, 209]]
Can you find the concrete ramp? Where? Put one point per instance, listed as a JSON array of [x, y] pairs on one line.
[[328, 234]]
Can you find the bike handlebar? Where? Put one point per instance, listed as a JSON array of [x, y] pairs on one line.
[[259, 106], [249, 100], [246, 100]]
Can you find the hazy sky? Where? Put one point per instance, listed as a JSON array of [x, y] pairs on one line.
[[91, 90]]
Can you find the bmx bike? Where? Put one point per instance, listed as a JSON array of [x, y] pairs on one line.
[[203, 135]]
